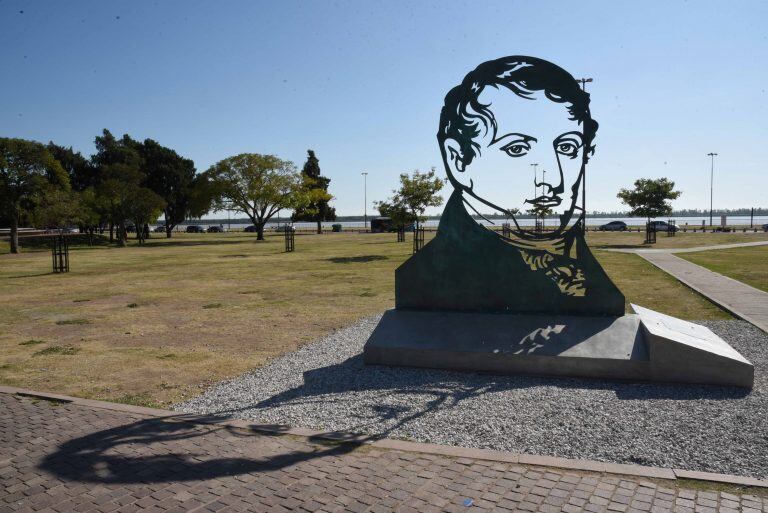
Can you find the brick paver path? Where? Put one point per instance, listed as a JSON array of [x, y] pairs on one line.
[[739, 298], [66, 457]]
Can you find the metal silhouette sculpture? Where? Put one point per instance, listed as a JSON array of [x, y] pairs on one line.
[[486, 125], [508, 116]]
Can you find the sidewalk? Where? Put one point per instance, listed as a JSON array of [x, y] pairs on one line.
[[79, 455], [641, 251], [740, 299]]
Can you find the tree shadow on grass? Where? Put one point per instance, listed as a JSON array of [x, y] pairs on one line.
[[357, 259], [185, 243], [29, 275]]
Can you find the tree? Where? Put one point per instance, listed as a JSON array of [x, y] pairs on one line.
[[397, 212], [142, 206], [82, 174], [316, 189], [650, 198], [118, 163], [27, 172], [256, 185], [171, 177], [416, 193], [80, 206]]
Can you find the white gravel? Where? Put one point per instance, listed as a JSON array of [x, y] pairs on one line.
[[325, 386]]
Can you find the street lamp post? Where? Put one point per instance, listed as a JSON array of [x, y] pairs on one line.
[[711, 183], [365, 200], [543, 191], [535, 188], [535, 176], [584, 82]]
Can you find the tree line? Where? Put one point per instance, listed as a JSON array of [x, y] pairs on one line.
[[129, 182]]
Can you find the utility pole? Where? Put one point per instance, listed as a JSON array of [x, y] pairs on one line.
[[584, 82], [543, 180], [535, 176], [711, 183], [365, 201]]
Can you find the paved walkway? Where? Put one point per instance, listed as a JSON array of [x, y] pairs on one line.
[[743, 301], [688, 250], [63, 457]]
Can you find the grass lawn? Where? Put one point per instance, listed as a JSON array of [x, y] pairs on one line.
[[620, 240], [151, 325], [748, 265]]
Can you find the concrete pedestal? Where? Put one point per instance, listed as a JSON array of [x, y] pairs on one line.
[[645, 346]]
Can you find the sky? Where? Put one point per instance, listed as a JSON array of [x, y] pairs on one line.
[[362, 83]]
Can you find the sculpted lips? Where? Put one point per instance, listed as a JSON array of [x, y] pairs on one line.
[[545, 201]]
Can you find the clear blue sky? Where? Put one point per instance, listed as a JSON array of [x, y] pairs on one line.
[[362, 82]]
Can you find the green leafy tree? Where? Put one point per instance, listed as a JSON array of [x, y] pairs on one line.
[[398, 213], [118, 163], [82, 174], [417, 192], [258, 186], [78, 207], [203, 195], [27, 172], [171, 177], [316, 190], [142, 206], [650, 198]]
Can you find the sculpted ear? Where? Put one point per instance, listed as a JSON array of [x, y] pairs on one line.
[[452, 152]]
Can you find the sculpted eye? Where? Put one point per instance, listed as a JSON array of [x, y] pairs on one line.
[[516, 148], [568, 147]]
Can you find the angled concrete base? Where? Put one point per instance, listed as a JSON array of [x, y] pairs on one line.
[[646, 346]]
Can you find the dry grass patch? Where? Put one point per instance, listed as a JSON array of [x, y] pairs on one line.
[[174, 343]]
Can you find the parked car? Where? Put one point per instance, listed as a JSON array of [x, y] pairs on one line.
[[159, 228], [663, 226], [215, 229], [251, 229], [613, 226], [765, 227], [284, 228], [195, 228]]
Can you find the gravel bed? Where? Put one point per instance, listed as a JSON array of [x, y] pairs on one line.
[[325, 385]]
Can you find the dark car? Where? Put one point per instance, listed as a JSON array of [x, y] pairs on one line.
[[613, 226], [195, 228], [284, 228], [215, 229], [663, 226], [251, 229], [159, 228], [765, 227]]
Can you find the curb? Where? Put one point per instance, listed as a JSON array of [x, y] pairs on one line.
[[405, 446]]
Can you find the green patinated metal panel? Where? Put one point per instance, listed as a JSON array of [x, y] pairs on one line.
[[487, 126], [468, 267]]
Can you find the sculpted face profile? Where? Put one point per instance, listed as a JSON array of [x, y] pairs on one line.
[[515, 135], [526, 121]]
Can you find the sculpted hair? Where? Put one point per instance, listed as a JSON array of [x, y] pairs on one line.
[[464, 118]]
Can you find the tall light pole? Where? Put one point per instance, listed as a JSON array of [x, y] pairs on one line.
[[365, 200], [711, 183], [584, 82], [543, 180], [535, 176]]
